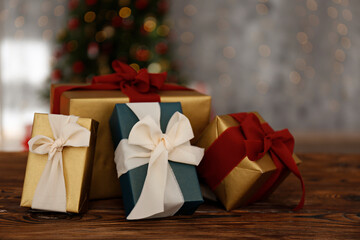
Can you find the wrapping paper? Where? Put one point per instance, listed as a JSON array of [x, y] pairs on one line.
[[239, 187], [132, 181], [77, 163], [99, 105]]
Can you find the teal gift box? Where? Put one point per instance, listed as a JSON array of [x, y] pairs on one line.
[[121, 123]]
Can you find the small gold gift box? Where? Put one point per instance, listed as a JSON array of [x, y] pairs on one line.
[[77, 166], [247, 177]]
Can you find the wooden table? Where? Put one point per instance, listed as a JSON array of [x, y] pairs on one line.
[[332, 210]]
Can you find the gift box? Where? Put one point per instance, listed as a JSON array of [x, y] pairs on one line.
[[92, 102], [245, 159], [60, 162], [146, 135]]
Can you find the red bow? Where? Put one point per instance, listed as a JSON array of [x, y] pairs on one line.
[[261, 138], [138, 86], [252, 139], [131, 81]]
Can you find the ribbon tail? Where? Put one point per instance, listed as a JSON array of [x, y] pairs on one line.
[[173, 199], [286, 157], [151, 200], [50, 193]]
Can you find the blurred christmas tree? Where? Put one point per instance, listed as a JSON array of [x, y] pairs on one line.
[[98, 32]]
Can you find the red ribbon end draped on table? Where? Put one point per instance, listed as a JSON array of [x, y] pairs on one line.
[[252, 139], [140, 86]]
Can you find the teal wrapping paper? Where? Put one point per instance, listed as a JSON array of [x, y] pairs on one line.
[[121, 123]]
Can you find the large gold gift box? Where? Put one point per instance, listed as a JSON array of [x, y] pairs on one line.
[[99, 105], [240, 185], [77, 163]]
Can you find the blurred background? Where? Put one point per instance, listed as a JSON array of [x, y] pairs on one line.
[[295, 62]]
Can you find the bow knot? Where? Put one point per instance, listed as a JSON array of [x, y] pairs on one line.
[[130, 80], [57, 145], [168, 143], [260, 137]]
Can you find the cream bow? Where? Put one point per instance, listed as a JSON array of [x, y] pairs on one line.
[[160, 196], [50, 193]]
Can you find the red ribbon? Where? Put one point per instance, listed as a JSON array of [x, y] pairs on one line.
[[252, 139], [138, 86]]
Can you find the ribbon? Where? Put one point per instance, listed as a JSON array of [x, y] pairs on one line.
[[138, 86], [161, 195], [50, 193], [252, 139]]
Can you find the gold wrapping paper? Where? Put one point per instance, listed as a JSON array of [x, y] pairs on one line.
[[77, 162], [99, 105], [248, 176]]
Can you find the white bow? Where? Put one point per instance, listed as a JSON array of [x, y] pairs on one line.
[[161, 195], [50, 193]]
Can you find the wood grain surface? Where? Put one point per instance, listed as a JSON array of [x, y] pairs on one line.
[[332, 210]]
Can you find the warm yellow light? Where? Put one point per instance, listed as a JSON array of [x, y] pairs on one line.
[[135, 66], [150, 24], [340, 55], [43, 21], [347, 15], [165, 65], [332, 12], [307, 48], [345, 42], [163, 30], [89, 16], [342, 29], [125, 12], [302, 37], [59, 10], [311, 5], [109, 31]]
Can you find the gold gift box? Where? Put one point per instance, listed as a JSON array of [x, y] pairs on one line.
[[99, 105], [240, 185], [77, 163]]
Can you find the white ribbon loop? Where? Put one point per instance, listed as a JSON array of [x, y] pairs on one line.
[[50, 193], [161, 195]]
